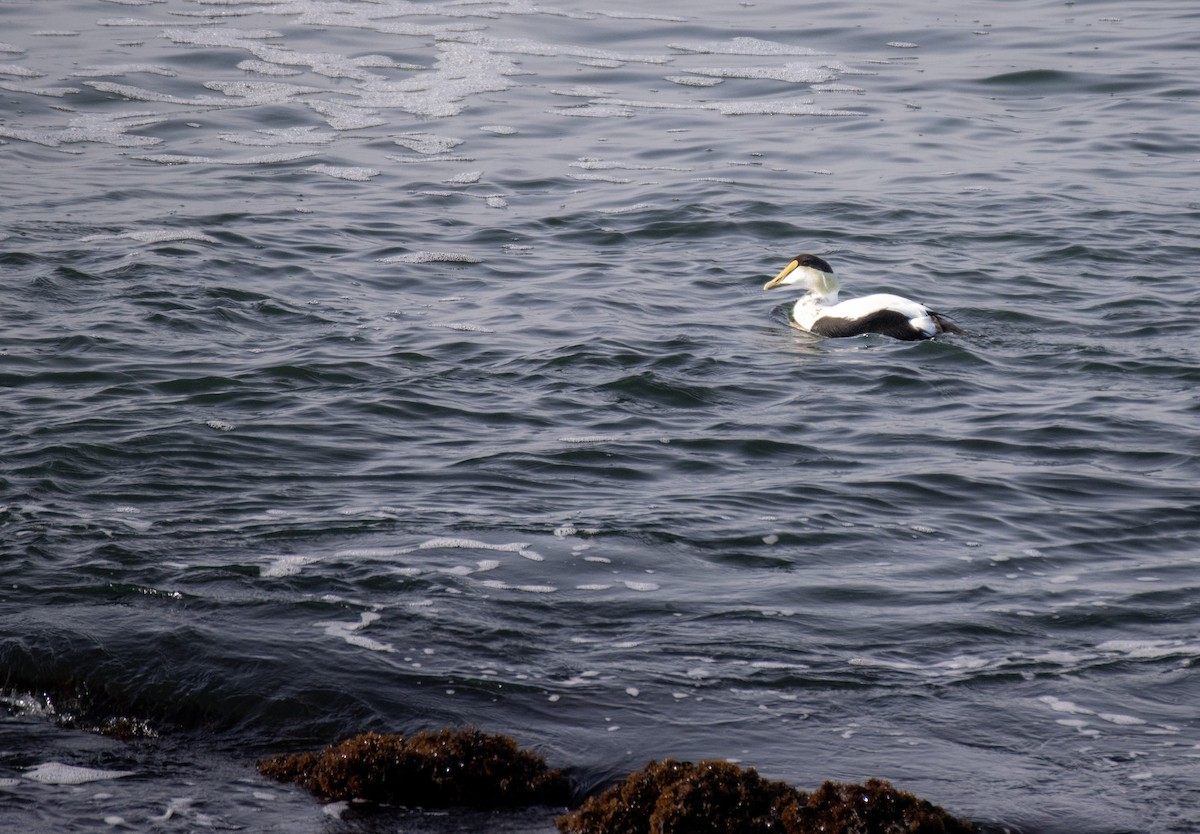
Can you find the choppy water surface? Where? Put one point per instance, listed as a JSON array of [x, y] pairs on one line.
[[393, 365]]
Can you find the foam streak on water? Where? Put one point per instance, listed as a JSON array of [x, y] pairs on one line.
[[396, 365]]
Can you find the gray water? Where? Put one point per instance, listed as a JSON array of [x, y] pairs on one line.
[[385, 365]]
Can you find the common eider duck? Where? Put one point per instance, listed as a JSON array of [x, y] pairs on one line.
[[819, 311]]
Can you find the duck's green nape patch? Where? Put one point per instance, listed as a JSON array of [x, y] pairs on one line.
[[717, 797], [430, 769]]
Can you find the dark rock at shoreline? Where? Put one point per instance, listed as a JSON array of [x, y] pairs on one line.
[[430, 769], [716, 797]]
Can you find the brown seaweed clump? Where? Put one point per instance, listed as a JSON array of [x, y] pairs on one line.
[[673, 797], [430, 770], [716, 797], [874, 808]]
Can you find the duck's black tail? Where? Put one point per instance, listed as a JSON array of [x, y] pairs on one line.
[[944, 325]]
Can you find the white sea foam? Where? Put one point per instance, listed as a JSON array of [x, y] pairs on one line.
[[459, 73], [473, 544], [1059, 705], [641, 586], [19, 71], [267, 68], [159, 236], [589, 163], [26, 704], [629, 209], [427, 143], [694, 81], [602, 63], [595, 111], [600, 178], [1083, 728], [275, 136], [220, 37], [102, 128], [341, 116], [794, 107], [134, 21], [260, 92], [350, 633], [429, 257], [963, 661], [345, 173], [466, 178], [742, 46], [328, 64], [646, 104], [122, 69], [463, 327], [372, 552], [837, 88], [286, 566], [529, 589], [335, 809], [57, 773], [582, 91], [261, 159], [792, 73], [1077, 723], [141, 94], [499, 130], [1150, 649], [524, 46], [1118, 718]]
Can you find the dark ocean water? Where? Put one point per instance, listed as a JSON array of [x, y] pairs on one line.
[[398, 365]]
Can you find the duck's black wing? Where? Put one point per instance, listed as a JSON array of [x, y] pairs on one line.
[[884, 322]]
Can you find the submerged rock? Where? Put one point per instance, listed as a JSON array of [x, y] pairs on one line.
[[430, 770], [714, 796]]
